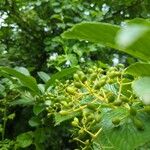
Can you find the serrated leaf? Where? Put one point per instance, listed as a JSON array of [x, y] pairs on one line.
[[27, 81], [141, 87], [124, 137], [59, 75], [24, 140], [112, 88], [139, 69]]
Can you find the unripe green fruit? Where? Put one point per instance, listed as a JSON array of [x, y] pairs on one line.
[[111, 98], [83, 78], [118, 73], [86, 112], [81, 132], [75, 122], [63, 112], [94, 67], [133, 111], [112, 69], [138, 123], [76, 119], [97, 86], [78, 84], [110, 81], [117, 103], [70, 90], [90, 117], [116, 121], [92, 106], [80, 73], [87, 142], [76, 77], [120, 65], [97, 118], [100, 70], [93, 76], [125, 99], [64, 103], [90, 70], [147, 109], [100, 84], [104, 78], [114, 74]]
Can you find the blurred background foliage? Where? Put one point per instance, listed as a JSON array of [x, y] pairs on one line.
[[30, 36], [30, 31]]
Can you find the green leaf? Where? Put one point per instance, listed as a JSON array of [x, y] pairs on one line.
[[139, 21], [40, 135], [22, 101], [134, 39], [23, 70], [59, 75], [38, 108], [44, 76], [27, 81], [106, 34], [2, 88], [102, 33], [61, 118], [141, 87], [128, 35], [24, 140], [34, 122], [124, 137], [25, 100], [41, 87], [139, 69]]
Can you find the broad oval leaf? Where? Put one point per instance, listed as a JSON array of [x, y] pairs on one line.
[[27, 81], [23, 70], [124, 137], [139, 69], [128, 35], [102, 33], [141, 87], [106, 34], [25, 139], [34, 122], [44, 76], [38, 108], [22, 101], [134, 39]]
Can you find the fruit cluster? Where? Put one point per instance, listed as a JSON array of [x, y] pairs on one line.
[[83, 98]]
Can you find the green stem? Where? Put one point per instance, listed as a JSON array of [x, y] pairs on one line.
[[4, 121], [120, 87]]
